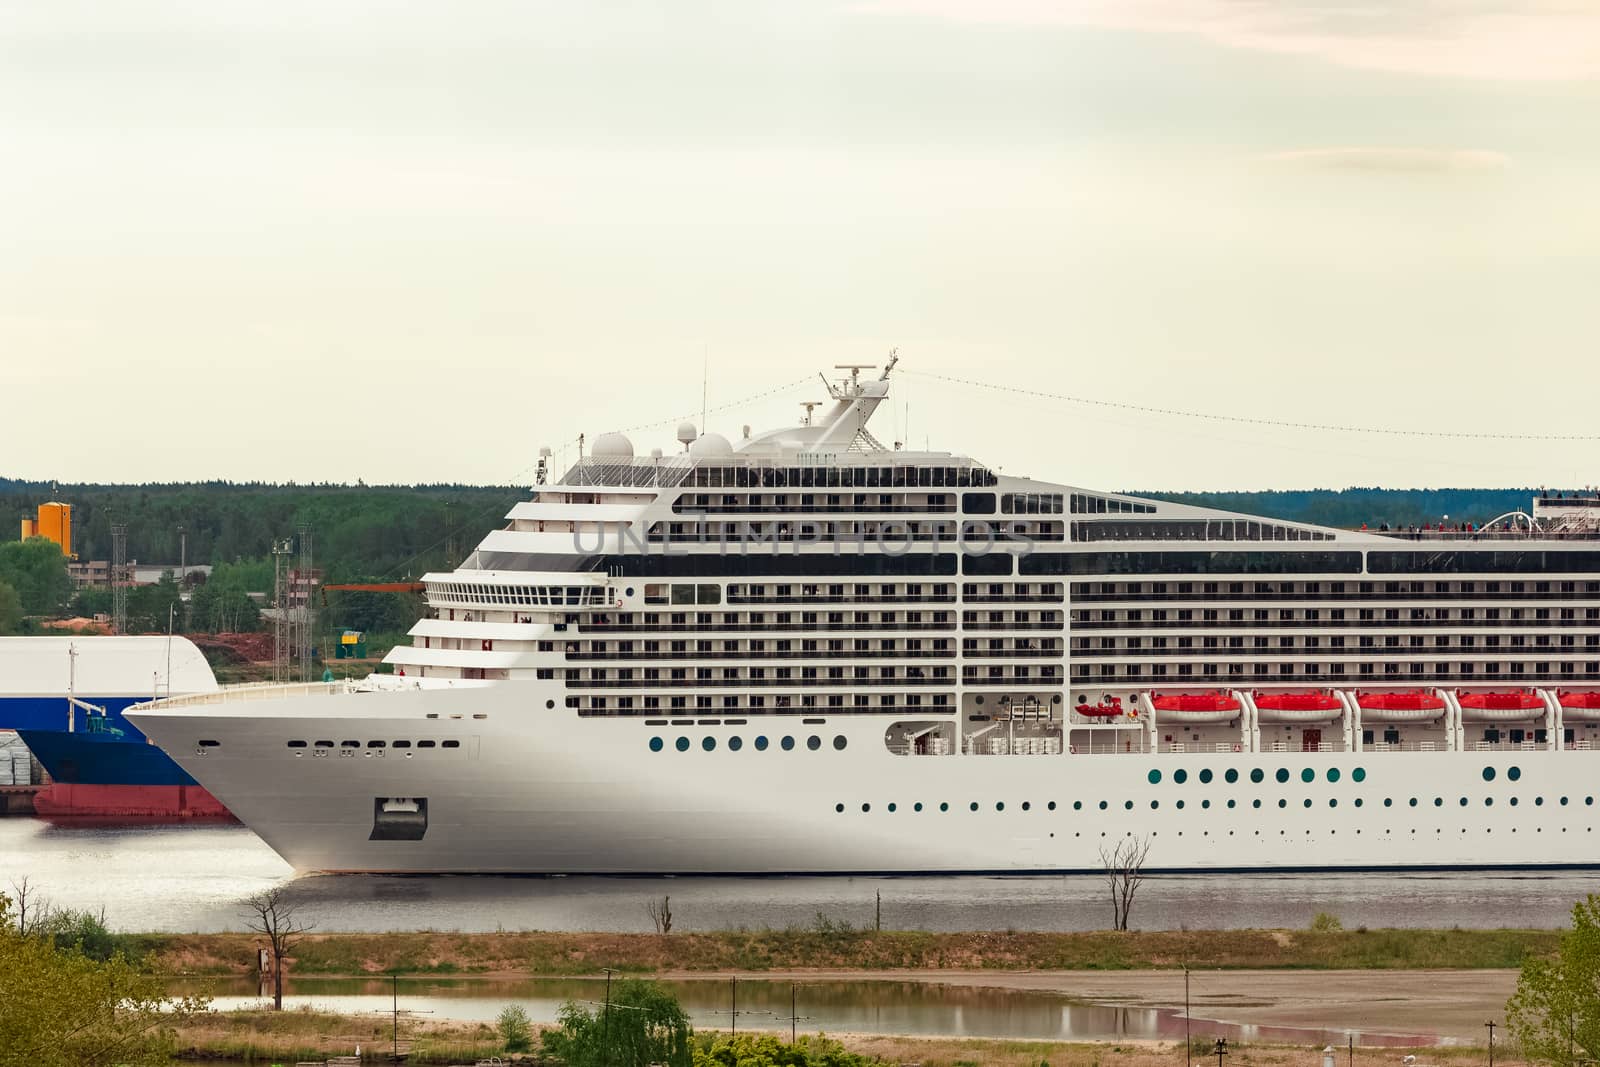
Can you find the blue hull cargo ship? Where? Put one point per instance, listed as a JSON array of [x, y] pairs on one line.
[[65, 696]]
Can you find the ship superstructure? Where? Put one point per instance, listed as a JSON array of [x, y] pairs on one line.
[[810, 651]]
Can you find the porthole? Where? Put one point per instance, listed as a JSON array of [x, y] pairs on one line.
[[1413, 802], [1388, 802], [1154, 804], [1127, 805], [1000, 806], [1154, 777], [1463, 802], [1180, 803], [1308, 775], [708, 743], [839, 742], [1333, 802], [1205, 803], [1308, 802], [1255, 803], [891, 806], [866, 808], [549, 704], [1051, 806], [1230, 775], [1488, 802], [1180, 776], [628, 591], [1026, 806], [1333, 774], [1488, 774], [944, 806], [1563, 802], [1513, 802], [1588, 802], [735, 743], [1359, 774], [1256, 775], [1538, 802], [813, 742], [1282, 803], [1514, 773], [787, 744], [761, 743], [1230, 802], [973, 806], [838, 807], [682, 744], [1358, 804], [656, 744], [1205, 776], [1438, 802], [1283, 774], [1102, 805], [917, 806]]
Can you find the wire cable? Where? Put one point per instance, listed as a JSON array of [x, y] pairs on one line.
[[1249, 420]]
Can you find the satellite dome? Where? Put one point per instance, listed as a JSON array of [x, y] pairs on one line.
[[711, 446], [613, 446], [687, 433]]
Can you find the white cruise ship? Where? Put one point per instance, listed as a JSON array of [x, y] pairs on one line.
[[810, 652]]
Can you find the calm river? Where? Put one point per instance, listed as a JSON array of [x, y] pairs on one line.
[[192, 877]]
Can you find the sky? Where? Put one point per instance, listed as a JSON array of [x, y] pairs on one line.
[[415, 242]]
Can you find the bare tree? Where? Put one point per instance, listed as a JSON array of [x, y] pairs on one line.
[[1124, 866], [272, 914], [33, 914], [660, 912]]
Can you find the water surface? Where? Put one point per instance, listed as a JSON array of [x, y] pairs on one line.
[[192, 878]]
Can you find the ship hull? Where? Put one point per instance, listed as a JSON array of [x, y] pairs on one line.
[[529, 788]]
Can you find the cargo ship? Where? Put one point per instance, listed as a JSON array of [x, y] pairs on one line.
[[64, 696]]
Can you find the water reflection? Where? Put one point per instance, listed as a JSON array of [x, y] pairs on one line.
[[192, 878], [863, 1007]]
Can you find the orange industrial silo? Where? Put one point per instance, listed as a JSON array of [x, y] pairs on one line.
[[55, 522]]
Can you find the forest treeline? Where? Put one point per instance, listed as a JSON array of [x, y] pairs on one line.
[[1349, 508], [359, 531]]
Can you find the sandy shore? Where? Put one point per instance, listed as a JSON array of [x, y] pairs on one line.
[[1444, 1004]]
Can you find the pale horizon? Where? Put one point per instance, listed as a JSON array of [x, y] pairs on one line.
[[413, 245]]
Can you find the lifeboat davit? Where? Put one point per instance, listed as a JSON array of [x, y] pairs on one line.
[[1579, 707], [1298, 707], [1514, 706], [1417, 705], [1197, 707]]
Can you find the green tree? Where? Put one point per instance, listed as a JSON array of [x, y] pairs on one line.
[[515, 1028], [10, 610], [37, 570], [148, 606], [1555, 1012], [642, 1025], [217, 606], [61, 1008]]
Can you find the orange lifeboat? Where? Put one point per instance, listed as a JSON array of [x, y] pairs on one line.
[[1502, 701], [1109, 708], [1500, 707], [1416, 705], [1297, 707], [1579, 707], [1197, 707]]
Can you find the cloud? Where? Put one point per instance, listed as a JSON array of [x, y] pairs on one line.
[[1520, 40], [1393, 159]]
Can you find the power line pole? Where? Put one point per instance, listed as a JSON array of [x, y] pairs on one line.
[[305, 642], [280, 623], [119, 578], [1490, 1025]]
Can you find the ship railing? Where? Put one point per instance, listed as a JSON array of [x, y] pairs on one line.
[[1507, 746], [1441, 745], [256, 691]]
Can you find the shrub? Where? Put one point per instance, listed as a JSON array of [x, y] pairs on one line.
[[515, 1029], [1326, 923]]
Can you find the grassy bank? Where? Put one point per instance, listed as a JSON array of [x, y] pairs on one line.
[[831, 947], [291, 1036], [268, 1037]]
